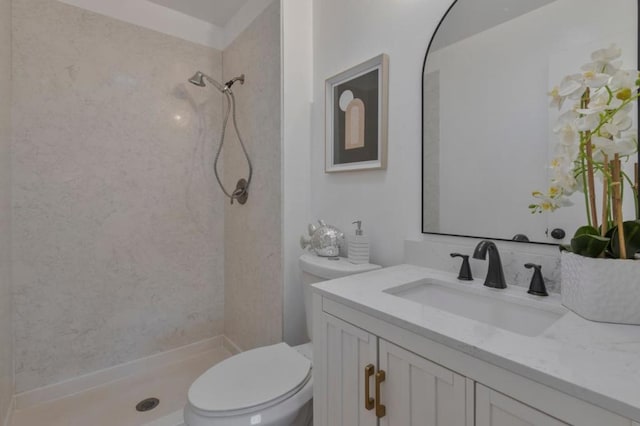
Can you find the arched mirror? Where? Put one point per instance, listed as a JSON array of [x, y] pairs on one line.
[[488, 134]]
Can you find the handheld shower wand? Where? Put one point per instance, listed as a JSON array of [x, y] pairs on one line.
[[241, 193]]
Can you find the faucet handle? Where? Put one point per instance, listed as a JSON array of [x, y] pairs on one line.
[[465, 268], [537, 286]]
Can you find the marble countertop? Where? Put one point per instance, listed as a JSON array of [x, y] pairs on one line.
[[598, 363]]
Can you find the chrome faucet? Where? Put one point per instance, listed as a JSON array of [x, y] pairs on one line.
[[495, 275]]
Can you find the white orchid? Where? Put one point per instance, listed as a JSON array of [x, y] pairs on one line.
[[619, 123], [605, 60], [553, 200], [569, 134], [587, 123], [623, 79], [610, 147], [556, 100], [562, 169], [628, 145], [594, 130], [600, 101], [595, 80], [567, 182], [572, 87], [607, 55], [566, 128]]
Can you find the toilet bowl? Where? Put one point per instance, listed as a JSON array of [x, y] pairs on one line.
[[265, 386], [270, 385]]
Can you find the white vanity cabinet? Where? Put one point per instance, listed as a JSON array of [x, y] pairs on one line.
[[371, 372], [364, 380], [347, 352], [418, 392], [496, 409]]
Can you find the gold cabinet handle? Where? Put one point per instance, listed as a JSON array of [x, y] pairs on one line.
[[368, 401], [381, 410]]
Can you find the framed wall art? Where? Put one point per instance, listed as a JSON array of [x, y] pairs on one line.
[[356, 117]]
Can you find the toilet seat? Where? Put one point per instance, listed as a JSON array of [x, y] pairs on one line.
[[250, 382]]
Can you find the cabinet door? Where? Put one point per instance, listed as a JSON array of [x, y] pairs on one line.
[[340, 389], [418, 392], [496, 409]]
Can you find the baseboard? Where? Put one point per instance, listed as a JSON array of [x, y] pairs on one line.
[[111, 374], [231, 346]]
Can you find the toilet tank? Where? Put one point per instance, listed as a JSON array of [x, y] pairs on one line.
[[316, 269]]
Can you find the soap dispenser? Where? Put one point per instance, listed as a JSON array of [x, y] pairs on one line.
[[358, 248]]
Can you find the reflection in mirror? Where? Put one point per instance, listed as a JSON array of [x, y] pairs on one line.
[[487, 126]]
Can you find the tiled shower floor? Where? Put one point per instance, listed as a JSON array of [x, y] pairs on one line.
[[114, 404]]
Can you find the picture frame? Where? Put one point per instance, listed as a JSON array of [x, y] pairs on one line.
[[357, 116]]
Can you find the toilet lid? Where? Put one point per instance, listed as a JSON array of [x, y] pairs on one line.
[[250, 378]]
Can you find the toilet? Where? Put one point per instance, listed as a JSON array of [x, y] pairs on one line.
[[271, 385]]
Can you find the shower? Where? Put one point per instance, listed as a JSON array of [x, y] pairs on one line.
[[241, 193]]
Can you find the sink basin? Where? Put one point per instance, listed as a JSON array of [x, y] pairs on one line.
[[511, 309]]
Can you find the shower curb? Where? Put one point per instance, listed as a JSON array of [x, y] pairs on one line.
[[85, 382]]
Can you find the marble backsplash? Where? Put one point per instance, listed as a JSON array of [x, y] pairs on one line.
[[434, 252]]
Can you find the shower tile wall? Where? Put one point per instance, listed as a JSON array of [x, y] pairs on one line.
[[118, 225], [253, 242], [6, 339]]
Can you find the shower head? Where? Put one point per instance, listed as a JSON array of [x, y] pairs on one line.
[[199, 79]]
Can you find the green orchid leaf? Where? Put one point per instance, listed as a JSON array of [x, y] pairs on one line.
[[631, 239], [589, 245], [610, 232], [565, 247], [609, 235], [586, 230]]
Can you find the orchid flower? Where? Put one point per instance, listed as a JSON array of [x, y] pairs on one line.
[[624, 79], [566, 129], [619, 123], [556, 100], [594, 130], [601, 101], [572, 87], [605, 60]]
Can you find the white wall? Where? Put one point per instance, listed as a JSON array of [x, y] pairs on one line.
[[347, 32], [297, 70], [6, 334]]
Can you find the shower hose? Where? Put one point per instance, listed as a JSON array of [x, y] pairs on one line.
[[241, 190]]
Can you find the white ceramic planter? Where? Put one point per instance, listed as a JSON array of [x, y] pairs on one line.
[[604, 290]]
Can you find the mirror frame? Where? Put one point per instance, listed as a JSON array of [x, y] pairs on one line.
[[422, 132]]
